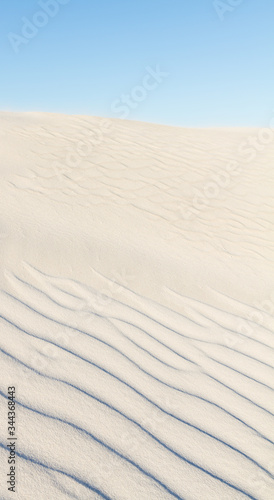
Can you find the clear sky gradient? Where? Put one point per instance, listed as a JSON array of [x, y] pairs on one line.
[[93, 54]]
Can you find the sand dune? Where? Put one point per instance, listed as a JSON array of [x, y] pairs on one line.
[[136, 311]]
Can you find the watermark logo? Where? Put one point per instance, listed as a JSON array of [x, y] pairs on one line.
[[248, 151], [40, 19], [127, 102], [222, 7]]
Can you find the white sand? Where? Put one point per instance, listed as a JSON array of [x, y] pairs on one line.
[[137, 301]]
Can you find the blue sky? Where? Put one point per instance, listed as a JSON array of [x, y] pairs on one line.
[[91, 56]]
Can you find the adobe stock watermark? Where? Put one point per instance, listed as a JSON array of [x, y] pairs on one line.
[[212, 188], [257, 316], [127, 102], [70, 174], [82, 148], [248, 150], [113, 289], [264, 483], [137, 438], [30, 28], [222, 7]]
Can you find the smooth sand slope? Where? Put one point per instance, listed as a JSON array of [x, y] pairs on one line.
[[136, 309]]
